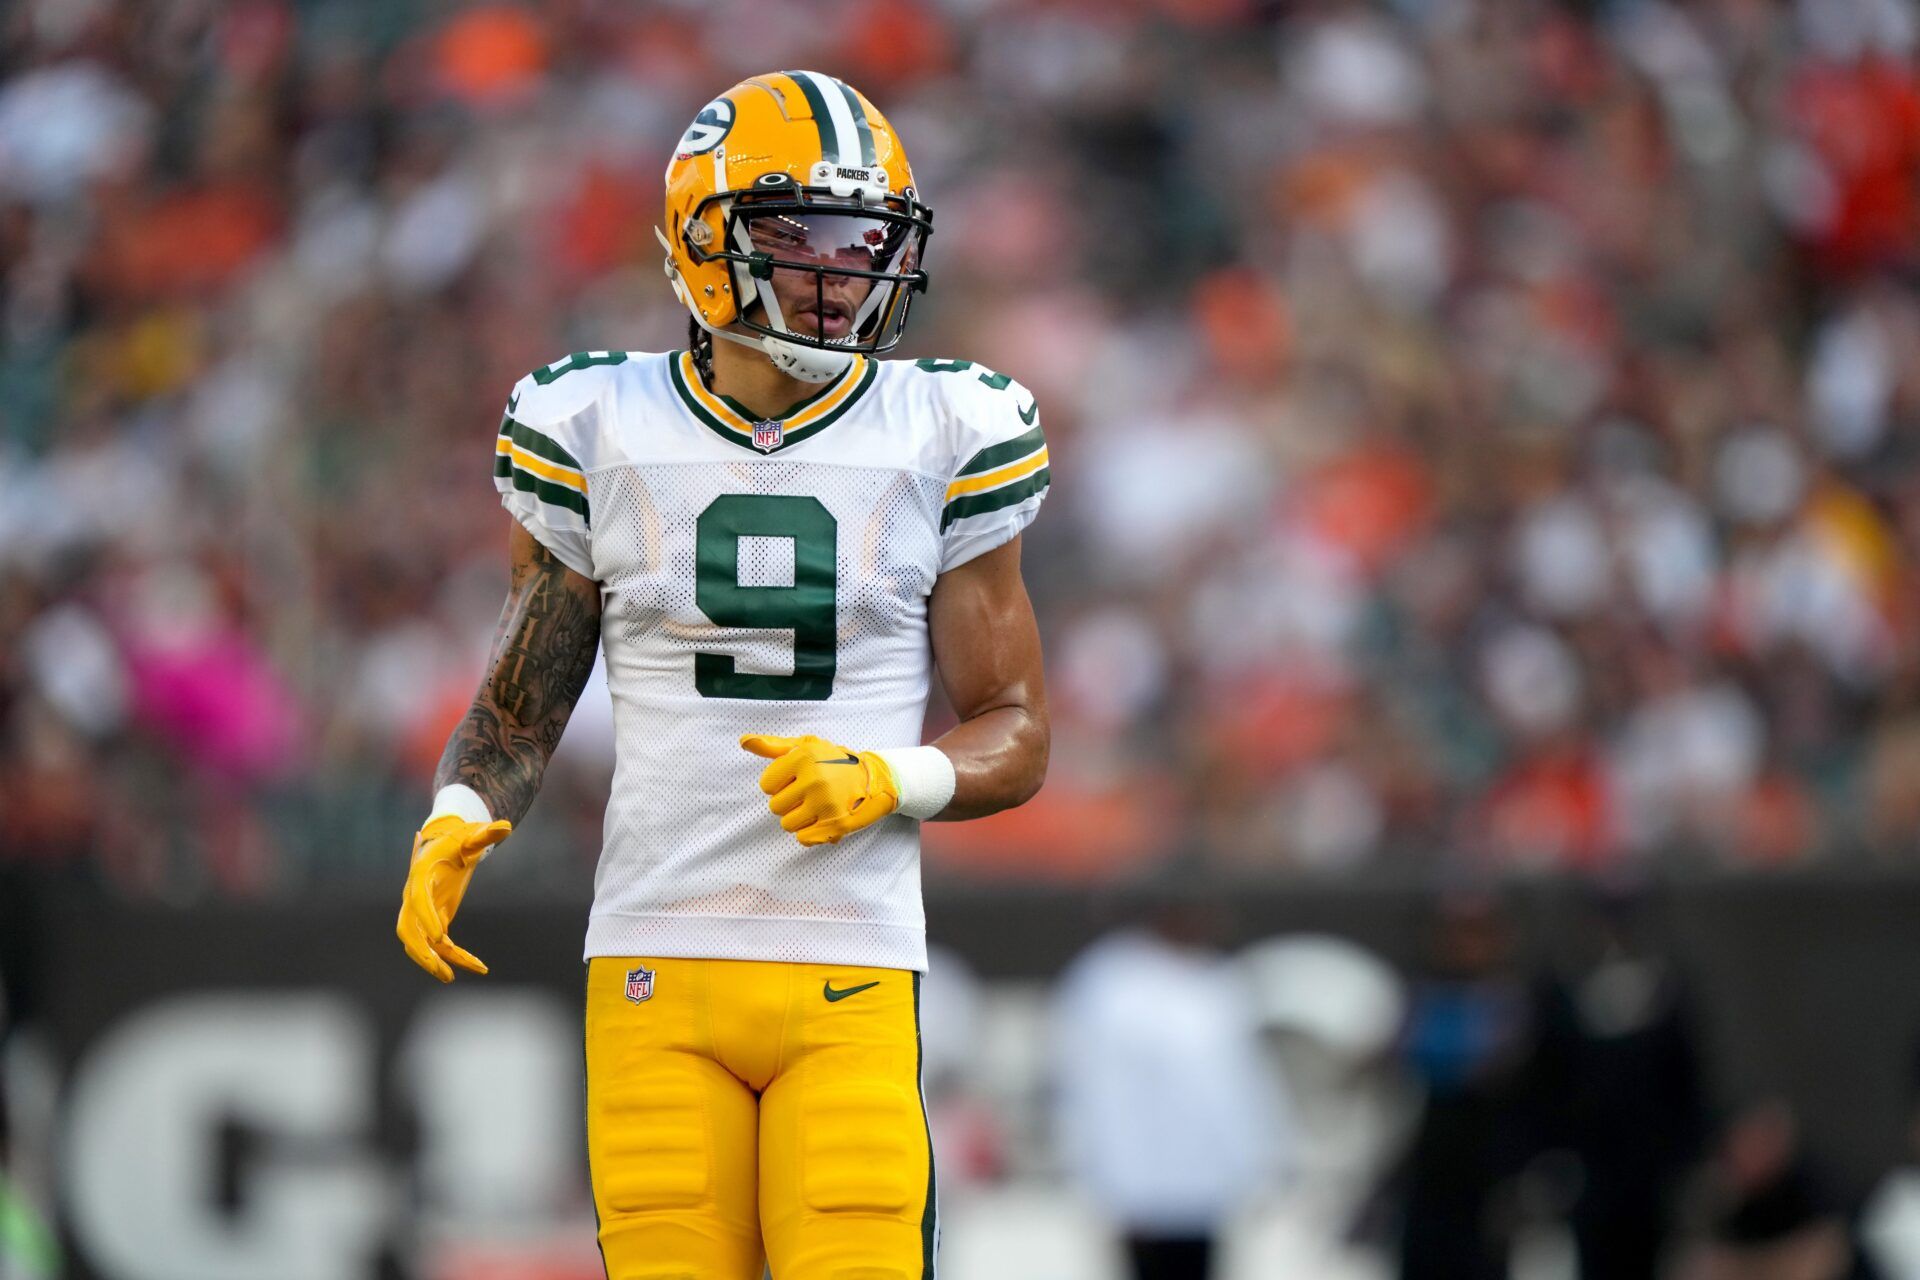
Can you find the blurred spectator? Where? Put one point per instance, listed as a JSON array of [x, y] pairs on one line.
[[970, 1136], [1470, 1040], [1890, 1222], [1770, 1219], [1168, 1119], [1331, 1015], [1621, 1075]]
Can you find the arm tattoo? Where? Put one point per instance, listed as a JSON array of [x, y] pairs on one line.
[[543, 652]]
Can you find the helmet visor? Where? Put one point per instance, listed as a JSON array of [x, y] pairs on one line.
[[824, 271], [838, 241]]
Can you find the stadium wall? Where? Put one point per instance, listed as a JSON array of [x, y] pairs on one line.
[[249, 1090]]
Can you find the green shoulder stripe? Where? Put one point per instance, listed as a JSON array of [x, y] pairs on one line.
[[541, 446], [1000, 455], [554, 494], [979, 504]]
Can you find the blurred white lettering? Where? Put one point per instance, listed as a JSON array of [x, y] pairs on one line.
[[150, 1103], [495, 1079]]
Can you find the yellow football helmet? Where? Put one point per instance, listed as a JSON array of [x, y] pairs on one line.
[[795, 172]]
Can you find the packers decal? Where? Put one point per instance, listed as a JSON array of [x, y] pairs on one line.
[[708, 129]]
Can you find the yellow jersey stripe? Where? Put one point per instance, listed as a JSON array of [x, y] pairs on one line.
[[713, 404], [994, 479], [541, 467], [732, 418], [828, 403]]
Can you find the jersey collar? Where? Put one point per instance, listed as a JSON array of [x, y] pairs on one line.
[[731, 420]]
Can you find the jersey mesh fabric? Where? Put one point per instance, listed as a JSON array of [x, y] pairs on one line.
[[694, 864]]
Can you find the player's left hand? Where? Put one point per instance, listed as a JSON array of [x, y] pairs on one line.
[[820, 790]]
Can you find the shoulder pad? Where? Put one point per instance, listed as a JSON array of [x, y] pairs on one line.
[[983, 403], [558, 391]]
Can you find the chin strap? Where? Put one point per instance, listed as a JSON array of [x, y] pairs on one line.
[[808, 364], [796, 360]]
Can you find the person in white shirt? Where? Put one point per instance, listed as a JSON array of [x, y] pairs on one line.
[[1168, 1117]]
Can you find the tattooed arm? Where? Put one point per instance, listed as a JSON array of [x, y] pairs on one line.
[[543, 652]]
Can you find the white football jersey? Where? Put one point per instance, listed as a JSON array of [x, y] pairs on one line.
[[762, 577]]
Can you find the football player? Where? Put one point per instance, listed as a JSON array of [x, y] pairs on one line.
[[775, 537]]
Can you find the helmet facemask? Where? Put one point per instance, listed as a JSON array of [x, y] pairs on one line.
[[861, 251]]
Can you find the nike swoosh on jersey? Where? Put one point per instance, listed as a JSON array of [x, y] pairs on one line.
[[832, 995], [1028, 414]]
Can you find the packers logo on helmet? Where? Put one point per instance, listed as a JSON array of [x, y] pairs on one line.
[[791, 214], [707, 131]]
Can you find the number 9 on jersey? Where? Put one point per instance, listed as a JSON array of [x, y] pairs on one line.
[[807, 608]]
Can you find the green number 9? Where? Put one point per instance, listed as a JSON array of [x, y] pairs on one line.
[[807, 607]]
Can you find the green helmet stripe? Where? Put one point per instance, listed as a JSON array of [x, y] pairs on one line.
[[822, 117], [867, 154]]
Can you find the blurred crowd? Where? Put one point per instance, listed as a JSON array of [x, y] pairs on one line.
[[1483, 431]]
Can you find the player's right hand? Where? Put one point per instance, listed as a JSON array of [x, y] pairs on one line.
[[445, 852]]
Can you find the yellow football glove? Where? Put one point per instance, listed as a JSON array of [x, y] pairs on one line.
[[444, 855], [820, 790]]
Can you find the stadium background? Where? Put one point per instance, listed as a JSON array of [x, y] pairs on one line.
[[1486, 443]]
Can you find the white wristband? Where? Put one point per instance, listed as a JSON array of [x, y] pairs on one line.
[[461, 801], [925, 778]]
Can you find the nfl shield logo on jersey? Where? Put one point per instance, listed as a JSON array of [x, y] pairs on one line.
[[639, 985], [767, 435]]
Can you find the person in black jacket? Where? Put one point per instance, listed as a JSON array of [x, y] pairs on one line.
[[1619, 1079], [1469, 1041]]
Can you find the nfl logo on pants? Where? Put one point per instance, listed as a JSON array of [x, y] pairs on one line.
[[639, 985]]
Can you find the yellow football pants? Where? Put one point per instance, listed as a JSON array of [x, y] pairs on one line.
[[743, 1112]]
